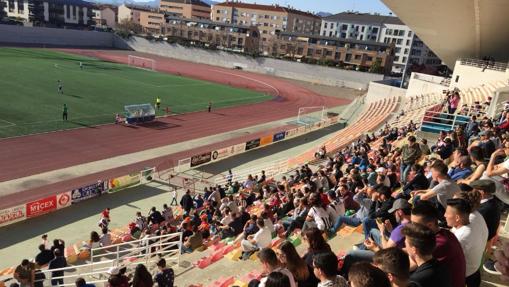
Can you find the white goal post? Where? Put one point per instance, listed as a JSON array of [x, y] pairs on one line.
[[311, 115], [141, 62]]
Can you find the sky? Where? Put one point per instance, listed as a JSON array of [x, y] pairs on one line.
[[331, 6]]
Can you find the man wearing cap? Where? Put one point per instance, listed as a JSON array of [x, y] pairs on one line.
[[402, 211]]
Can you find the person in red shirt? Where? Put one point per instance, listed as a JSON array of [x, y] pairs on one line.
[[448, 250]]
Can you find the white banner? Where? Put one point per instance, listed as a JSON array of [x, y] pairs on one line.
[[12, 214], [64, 199]]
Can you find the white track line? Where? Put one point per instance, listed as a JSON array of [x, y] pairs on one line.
[[251, 79], [9, 124]]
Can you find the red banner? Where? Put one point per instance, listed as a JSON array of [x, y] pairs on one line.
[[41, 206]]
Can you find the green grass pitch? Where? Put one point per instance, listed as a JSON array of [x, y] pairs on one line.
[[31, 102]]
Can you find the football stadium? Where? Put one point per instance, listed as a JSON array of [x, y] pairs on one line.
[[242, 144]]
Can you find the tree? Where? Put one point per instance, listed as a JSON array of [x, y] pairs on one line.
[[36, 12], [3, 14], [126, 27], [376, 67]]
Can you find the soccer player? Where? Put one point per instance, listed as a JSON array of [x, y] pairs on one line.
[[158, 103], [64, 113], [209, 107], [81, 65], [60, 87]]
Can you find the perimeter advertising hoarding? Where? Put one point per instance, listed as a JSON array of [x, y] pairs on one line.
[[64, 199], [223, 153], [87, 192], [122, 182], [201, 159], [41, 206], [279, 136], [266, 140], [252, 144], [12, 214]]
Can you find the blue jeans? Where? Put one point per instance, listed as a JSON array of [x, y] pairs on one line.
[[367, 225], [348, 220], [404, 169], [377, 236]]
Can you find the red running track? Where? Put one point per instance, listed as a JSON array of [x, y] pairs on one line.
[[29, 155]]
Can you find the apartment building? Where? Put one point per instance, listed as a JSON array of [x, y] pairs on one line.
[[52, 13], [270, 19], [348, 53], [409, 49], [192, 9], [245, 39], [105, 16], [150, 19]]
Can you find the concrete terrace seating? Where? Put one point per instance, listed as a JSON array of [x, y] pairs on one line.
[[480, 94], [374, 115], [414, 108]]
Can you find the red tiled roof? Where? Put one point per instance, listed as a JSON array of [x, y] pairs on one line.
[[274, 8]]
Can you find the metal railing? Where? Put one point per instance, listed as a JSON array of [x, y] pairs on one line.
[[167, 246], [271, 169], [94, 272], [445, 120], [483, 64]]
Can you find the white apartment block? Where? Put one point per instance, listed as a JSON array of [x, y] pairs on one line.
[[56, 12], [409, 49]]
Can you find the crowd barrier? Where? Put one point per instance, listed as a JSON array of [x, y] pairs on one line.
[[65, 199], [223, 153]]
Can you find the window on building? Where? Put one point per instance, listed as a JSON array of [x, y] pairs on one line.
[[369, 58], [408, 42], [409, 33], [344, 27], [396, 59], [399, 41], [358, 57], [218, 11], [388, 32], [374, 30], [343, 35], [406, 51], [404, 59], [217, 18], [310, 52], [325, 25], [362, 29], [348, 57], [398, 50], [401, 33], [332, 25]]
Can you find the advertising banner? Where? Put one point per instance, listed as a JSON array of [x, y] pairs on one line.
[[147, 174], [201, 159], [64, 199], [278, 137], [124, 181], [223, 153], [41, 206], [291, 133], [12, 214], [266, 140], [87, 192], [252, 144], [239, 148]]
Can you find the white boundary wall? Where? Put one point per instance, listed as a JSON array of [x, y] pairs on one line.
[[379, 90], [422, 84], [470, 76], [11, 35], [285, 69]]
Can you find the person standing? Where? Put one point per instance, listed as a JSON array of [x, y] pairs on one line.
[[209, 107], [187, 202], [158, 103], [25, 273], [410, 153], [81, 65], [64, 113], [60, 86], [166, 276], [57, 263]]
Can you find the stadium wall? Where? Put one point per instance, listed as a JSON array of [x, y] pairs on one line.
[[381, 89], [467, 76], [285, 69], [11, 35], [421, 84]]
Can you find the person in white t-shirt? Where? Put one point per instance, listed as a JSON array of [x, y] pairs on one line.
[[336, 207], [470, 235], [261, 239], [499, 172], [317, 214], [270, 263]]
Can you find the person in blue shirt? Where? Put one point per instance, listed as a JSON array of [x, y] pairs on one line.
[[463, 169], [80, 282]]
